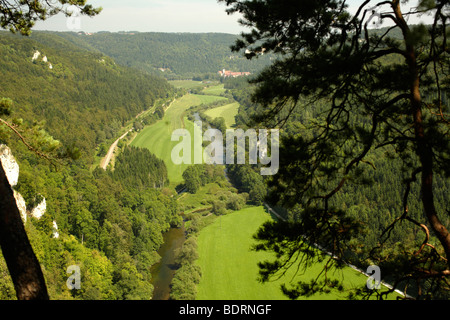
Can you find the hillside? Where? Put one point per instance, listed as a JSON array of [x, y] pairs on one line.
[[83, 89], [180, 55], [108, 224], [83, 97], [157, 138]]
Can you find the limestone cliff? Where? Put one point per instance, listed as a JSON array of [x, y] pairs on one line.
[[11, 168]]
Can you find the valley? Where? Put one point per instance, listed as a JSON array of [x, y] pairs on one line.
[[141, 227], [229, 266], [157, 137]]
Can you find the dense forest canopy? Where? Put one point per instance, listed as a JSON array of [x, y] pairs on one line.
[[73, 94], [109, 223], [77, 91], [180, 55], [84, 98]]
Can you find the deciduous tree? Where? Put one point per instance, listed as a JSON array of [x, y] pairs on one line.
[[29, 283]]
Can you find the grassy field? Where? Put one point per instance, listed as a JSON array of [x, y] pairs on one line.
[[157, 137], [209, 88], [187, 84], [215, 90], [228, 112], [189, 202], [206, 99], [229, 267]]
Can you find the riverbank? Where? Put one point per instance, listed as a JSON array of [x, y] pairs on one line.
[[164, 270]]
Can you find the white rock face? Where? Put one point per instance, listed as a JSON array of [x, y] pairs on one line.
[[39, 210], [20, 201], [9, 165], [55, 230], [36, 55], [11, 168]]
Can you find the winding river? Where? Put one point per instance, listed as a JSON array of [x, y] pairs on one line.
[[163, 271]]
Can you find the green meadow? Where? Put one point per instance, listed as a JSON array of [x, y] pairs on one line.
[[229, 266], [187, 84], [157, 137], [215, 90], [207, 99], [228, 112]]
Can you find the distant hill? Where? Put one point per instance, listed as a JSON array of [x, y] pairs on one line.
[[173, 55], [83, 96]]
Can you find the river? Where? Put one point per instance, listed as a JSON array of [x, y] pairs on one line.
[[163, 271]]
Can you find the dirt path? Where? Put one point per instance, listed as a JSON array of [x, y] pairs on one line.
[[105, 161]]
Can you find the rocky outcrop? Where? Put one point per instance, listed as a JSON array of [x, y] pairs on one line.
[[21, 205], [11, 168], [39, 210], [10, 165], [36, 56]]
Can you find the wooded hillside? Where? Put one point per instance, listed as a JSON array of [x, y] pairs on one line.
[[181, 55], [84, 98], [108, 226]]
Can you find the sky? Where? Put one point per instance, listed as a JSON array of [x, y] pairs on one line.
[[151, 16], [156, 16]]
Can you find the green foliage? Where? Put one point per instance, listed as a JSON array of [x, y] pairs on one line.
[[182, 55], [188, 252], [139, 169], [248, 180], [7, 291], [349, 100], [5, 106], [184, 283], [192, 179], [88, 98], [99, 218], [196, 176]]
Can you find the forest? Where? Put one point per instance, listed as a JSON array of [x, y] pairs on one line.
[[182, 56], [84, 98], [109, 223], [374, 196]]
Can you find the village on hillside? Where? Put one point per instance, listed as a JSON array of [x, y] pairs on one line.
[[227, 74]]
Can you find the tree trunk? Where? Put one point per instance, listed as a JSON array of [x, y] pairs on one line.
[[423, 148], [22, 263], [425, 153]]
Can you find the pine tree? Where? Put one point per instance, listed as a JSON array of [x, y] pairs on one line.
[[380, 90]]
